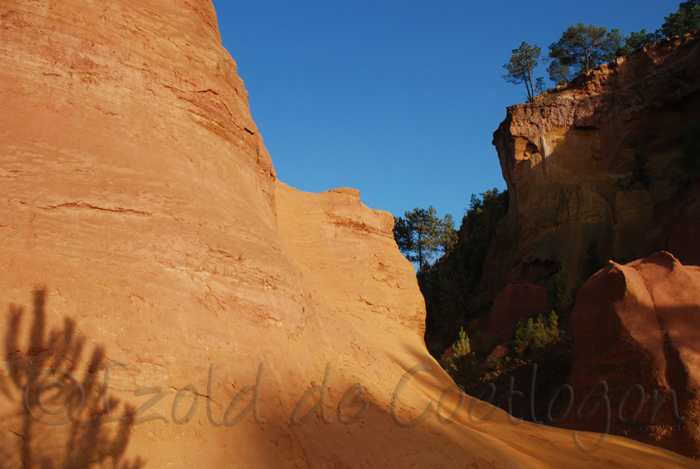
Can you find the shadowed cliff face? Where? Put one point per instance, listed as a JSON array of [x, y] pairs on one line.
[[135, 187], [567, 159], [636, 327], [675, 226]]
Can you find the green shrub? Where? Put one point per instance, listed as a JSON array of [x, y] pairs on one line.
[[561, 299], [532, 336], [494, 364], [558, 299], [451, 286], [463, 366]]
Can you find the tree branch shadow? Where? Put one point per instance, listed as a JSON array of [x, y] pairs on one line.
[[52, 403]]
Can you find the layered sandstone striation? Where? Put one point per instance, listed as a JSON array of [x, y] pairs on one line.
[[148, 251], [567, 159], [636, 327]]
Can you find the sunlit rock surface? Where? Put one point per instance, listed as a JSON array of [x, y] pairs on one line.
[[567, 159], [149, 252]]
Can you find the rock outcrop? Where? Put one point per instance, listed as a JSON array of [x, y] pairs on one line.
[[637, 327], [166, 302], [568, 157]]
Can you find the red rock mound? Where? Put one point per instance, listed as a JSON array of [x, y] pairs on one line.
[[637, 327]]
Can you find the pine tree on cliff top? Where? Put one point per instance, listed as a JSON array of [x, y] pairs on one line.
[[686, 19], [521, 66], [582, 48]]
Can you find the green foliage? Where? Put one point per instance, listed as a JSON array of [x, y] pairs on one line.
[[582, 48], [429, 283], [691, 150], [556, 292], [686, 19], [462, 347], [522, 63], [532, 336], [481, 223], [463, 366], [495, 364], [639, 170], [592, 263], [561, 299], [637, 40], [615, 42], [422, 234], [451, 286], [560, 73], [540, 86], [447, 235]]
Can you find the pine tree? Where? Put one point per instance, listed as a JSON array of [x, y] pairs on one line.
[[422, 234], [686, 19], [521, 66], [582, 48]]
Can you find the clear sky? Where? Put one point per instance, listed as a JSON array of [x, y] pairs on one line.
[[396, 98]]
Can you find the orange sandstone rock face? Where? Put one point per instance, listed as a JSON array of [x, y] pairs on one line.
[[347, 252], [636, 327], [165, 302], [567, 159]]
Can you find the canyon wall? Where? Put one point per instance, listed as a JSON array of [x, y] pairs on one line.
[[166, 302], [567, 159]]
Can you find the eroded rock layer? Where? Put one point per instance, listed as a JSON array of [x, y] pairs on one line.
[[155, 276], [568, 159]]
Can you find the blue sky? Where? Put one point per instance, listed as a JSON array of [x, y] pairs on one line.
[[398, 99]]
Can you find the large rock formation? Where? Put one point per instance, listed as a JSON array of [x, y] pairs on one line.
[[151, 263], [567, 159], [637, 328]]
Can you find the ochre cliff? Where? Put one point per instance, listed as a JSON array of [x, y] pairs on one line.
[[567, 159], [149, 252]]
